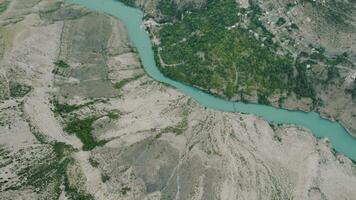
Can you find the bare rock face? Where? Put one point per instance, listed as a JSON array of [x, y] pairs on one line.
[[137, 138]]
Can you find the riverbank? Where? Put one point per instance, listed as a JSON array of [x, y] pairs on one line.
[[341, 140], [315, 81]]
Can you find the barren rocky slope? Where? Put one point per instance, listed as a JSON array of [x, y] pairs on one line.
[[79, 119]]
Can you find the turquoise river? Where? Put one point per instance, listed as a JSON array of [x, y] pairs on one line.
[[340, 139]]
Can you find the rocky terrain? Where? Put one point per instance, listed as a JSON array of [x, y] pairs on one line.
[[79, 119]]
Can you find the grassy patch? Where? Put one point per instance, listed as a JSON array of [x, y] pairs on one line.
[[61, 68], [46, 175], [294, 26], [3, 6], [281, 21], [124, 190], [113, 115], [41, 138], [122, 83], [82, 128], [64, 108], [178, 129], [61, 64], [18, 90], [104, 177], [61, 149]]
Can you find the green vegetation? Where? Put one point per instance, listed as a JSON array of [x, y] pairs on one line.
[[46, 175], [122, 83], [61, 149], [93, 162], [3, 6], [64, 108], [168, 8], [290, 5], [262, 99], [294, 26], [281, 21], [302, 86], [113, 115], [61, 68], [5, 158], [124, 190], [49, 173], [128, 2], [74, 192], [340, 59], [82, 128], [277, 138], [206, 49], [61, 64], [333, 73], [18, 90], [41, 138], [104, 177], [178, 129]]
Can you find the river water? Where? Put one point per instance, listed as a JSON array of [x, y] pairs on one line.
[[340, 139]]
